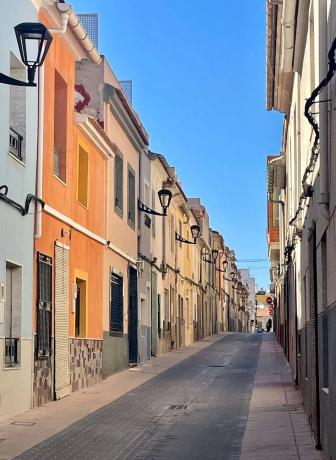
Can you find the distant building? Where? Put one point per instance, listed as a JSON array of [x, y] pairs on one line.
[[249, 281], [127, 87], [90, 23]]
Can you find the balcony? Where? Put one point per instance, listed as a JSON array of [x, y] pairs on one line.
[[16, 144]]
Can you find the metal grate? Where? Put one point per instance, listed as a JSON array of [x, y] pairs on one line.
[[15, 144], [11, 351]]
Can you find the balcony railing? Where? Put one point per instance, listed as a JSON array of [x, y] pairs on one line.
[[11, 352], [15, 144]]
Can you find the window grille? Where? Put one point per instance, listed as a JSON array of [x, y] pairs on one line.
[[44, 305]]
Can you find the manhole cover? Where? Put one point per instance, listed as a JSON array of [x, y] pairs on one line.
[[91, 392], [218, 365], [23, 423], [177, 406]]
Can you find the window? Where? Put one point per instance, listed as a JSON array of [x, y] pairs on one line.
[[172, 233], [159, 314], [325, 345], [131, 195], [153, 217], [116, 304], [118, 183], [187, 313], [180, 231], [166, 310], [17, 130], [60, 127], [80, 310], [83, 176], [44, 305], [13, 311]]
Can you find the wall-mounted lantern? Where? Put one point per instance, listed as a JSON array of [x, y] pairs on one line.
[[213, 258], [34, 41], [165, 197], [195, 231]]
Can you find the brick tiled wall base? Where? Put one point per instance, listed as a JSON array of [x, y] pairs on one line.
[[85, 363], [42, 384]]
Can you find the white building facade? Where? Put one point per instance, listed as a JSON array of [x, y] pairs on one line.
[[18, 141]]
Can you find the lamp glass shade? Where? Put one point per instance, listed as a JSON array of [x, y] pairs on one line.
[[34, 40], [214, 255], [195, 231], [225, 264], [165, 197]]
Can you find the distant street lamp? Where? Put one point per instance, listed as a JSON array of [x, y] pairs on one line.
[[213, 258], [34, 41], [165, 197], [195, 231]]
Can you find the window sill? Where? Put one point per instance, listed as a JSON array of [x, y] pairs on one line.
[[119, 212], [131, 224], [83, 205], [116, 334], [60, 180], [13, 368], [22, 163]]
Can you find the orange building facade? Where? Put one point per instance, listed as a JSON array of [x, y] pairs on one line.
[[70, 245]]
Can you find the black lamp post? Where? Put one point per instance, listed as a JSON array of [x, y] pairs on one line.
[[165, 197], [34, 41], [195, 231]]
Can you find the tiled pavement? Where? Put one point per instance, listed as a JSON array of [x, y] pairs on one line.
[[277, 427], [169, 409], [196, 409]]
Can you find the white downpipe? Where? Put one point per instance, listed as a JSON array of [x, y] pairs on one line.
[[40, 139], [288, 35], [323, 107]]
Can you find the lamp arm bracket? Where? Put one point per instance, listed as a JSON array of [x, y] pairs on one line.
[[183, 240], [13, 81], [143, 208]]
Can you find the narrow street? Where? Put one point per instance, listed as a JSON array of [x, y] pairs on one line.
[[196, 409]]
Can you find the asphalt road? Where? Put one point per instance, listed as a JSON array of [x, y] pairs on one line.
[[194, 410]]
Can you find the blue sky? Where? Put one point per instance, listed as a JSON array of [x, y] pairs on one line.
[[198, 71]]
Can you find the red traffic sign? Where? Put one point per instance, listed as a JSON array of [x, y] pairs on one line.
[[269, 300]]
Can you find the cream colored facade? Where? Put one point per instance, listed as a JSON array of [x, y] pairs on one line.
[[301, 84]]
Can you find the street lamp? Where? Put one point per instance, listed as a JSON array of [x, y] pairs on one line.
[[213, 258], [195, 231], [165, 197], [34, 41]]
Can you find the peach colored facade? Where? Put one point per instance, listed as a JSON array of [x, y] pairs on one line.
[[72, 235]]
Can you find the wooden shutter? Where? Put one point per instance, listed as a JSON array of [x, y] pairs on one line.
[[116, 307], [313, 339], [118, 176], [62, 371], [131, 196]]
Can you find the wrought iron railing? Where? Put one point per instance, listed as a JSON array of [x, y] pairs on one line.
[[11, 351], [16, 144]]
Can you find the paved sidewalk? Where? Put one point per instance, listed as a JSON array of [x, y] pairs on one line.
[[25, 431], [277, 426]]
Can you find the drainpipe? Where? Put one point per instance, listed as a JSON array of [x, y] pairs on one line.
[[323, 109], [288, 35]]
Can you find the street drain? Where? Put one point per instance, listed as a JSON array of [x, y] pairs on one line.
[[23, 423], [218, 365], [177, 406]]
